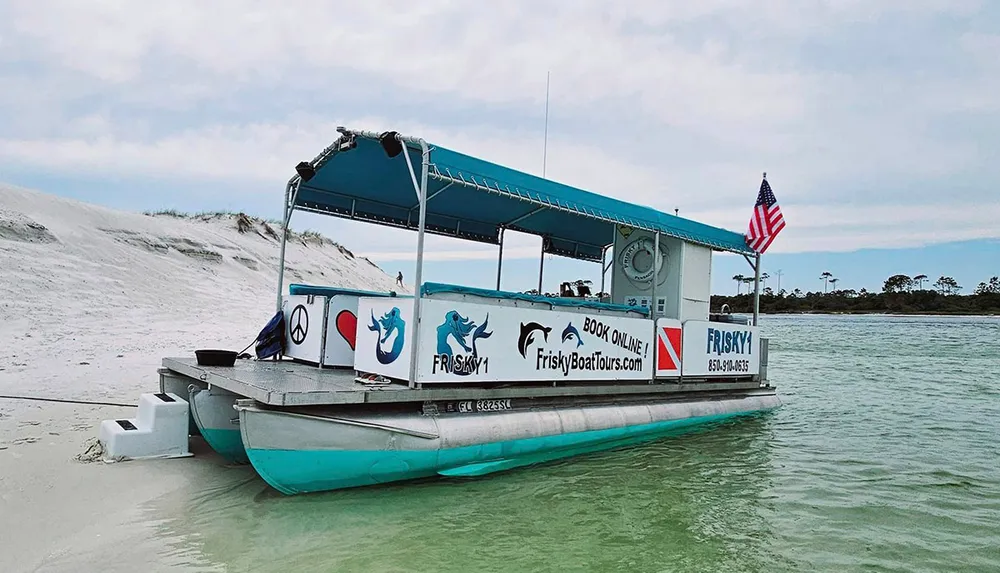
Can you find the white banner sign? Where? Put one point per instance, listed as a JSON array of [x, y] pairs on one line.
[[668, 348], [304, 326], [462, 341], [341, 330], [384, 336], [720, 349]]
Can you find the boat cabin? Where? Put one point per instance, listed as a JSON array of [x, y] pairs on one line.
[[653, 326]]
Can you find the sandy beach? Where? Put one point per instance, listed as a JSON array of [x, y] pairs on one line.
[[93, 299]]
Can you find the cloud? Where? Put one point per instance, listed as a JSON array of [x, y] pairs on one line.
[[267, 152], [874, 120]]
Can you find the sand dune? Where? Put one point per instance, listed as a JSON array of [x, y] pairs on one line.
[[91, 300]]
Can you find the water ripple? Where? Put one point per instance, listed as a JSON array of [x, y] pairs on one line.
[[884, 458]]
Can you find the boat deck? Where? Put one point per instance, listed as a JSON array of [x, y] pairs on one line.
[[289, 383]]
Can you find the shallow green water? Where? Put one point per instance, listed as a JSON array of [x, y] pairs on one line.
[[885, 457]]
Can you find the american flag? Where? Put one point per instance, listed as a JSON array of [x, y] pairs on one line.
[[766, 222]]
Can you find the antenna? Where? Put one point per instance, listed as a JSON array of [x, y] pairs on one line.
[[779, 273], [545, 141]]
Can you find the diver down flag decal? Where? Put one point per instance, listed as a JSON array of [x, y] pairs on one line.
[[668, 349]]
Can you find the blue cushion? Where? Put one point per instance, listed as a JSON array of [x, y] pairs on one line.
[[432, 288], [301, 289]]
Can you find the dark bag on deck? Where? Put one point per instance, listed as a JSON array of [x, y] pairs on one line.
[[271, 340]]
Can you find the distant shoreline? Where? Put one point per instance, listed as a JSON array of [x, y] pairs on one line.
[[985, 302], [879, 312]]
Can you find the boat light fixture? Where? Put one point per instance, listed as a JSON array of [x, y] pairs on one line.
[[390, 143], [305, 170]]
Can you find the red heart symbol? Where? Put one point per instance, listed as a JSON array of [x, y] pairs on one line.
[[347, 326]]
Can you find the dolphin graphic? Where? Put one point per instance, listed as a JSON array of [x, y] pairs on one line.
[[527, 336], [571, 331]]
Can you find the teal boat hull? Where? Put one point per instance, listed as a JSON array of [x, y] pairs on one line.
[[228, 444], [330, 453], [213, 412]]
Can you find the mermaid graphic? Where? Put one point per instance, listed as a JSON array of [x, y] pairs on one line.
[[385, 326], [458, 328]]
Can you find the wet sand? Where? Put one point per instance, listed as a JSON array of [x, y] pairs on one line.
[[91, 300], [63, 514]]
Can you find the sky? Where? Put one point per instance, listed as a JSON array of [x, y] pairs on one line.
[[877, 122]]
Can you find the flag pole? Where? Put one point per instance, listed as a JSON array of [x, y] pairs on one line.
[[756, 283], [756, 291], [545, 138], [545, 153]]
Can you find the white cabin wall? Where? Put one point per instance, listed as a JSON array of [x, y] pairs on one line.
[[671, 288], [623, 289], [696, 290], [684, 282]]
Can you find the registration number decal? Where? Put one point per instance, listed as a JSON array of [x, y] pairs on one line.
[[467, 406]]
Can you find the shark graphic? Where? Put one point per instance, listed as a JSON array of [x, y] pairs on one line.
[[459, 327], [528, 336], [385, 326], [570, 332]]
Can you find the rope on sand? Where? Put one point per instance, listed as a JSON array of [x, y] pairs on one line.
[[88, 402]]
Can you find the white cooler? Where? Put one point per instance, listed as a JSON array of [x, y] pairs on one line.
[[321, 324]]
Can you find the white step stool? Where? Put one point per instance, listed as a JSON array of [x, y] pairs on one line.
[[159, 431]]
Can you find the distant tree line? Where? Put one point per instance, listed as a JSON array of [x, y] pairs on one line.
[[900, 294]]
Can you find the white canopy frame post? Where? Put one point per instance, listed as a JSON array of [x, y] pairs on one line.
[[656, 275], [421, 191], [541, 267], [500, 258], [291, 191], [604, 268]]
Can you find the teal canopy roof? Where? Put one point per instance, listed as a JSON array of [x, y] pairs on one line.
[[473, 199]]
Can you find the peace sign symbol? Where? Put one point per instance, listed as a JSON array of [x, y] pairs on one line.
[[298, 324]]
